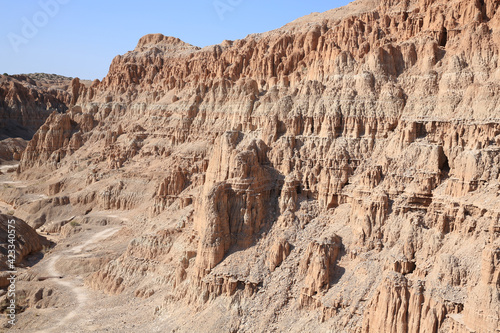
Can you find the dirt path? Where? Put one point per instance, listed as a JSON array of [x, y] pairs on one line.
[[97, 237], [4, 168], [74, 284]]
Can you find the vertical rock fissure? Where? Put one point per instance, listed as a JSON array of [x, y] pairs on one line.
[[482, 8], [443, 37]]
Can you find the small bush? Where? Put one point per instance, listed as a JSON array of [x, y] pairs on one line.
[[74, 224]]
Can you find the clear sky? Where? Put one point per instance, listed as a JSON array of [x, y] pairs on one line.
[[79, 38]]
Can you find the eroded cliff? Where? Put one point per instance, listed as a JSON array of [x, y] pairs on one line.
[[339, 173]]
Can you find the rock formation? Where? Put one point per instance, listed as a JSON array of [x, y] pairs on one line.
[[26, 241], [340, 173], [27, 100]]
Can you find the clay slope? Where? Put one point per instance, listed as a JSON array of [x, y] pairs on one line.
[[340, 173]]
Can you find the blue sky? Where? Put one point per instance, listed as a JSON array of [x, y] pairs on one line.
[[79, 38]]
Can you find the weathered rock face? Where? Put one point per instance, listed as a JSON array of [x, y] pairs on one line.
[[481, 310], [377, 123], [318, 264], [26, 103], [26, 242], [61, 135], [399, 306], [236, 198], [12, 148], [278, 252], [170, 188]]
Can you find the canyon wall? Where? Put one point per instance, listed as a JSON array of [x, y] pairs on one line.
[[26, 103], [339, 173]]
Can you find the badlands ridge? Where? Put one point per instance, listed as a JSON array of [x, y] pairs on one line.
[[339, 174]]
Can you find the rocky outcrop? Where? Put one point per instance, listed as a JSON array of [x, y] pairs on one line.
[[318, 265], [26, 103], [12, 148], [169, 190], [482, 308], [403, 306], [26, 241], [60, 136], [278, 252], [235, 201], [377, 123]]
